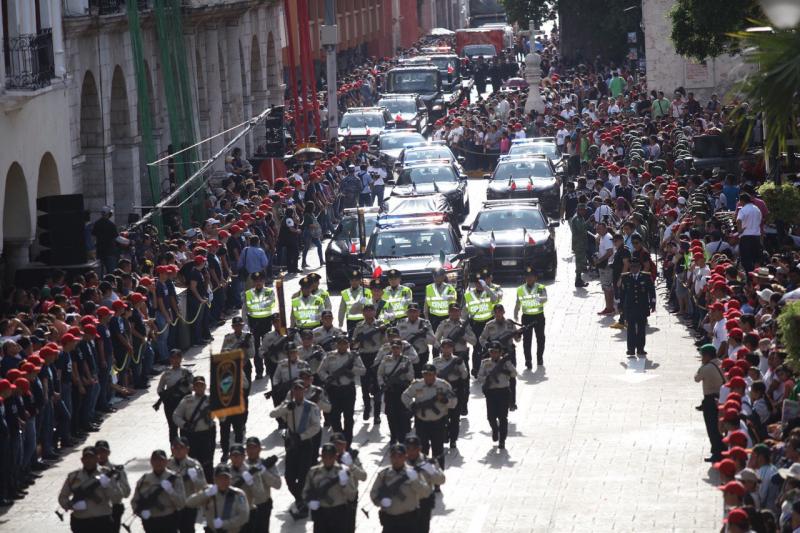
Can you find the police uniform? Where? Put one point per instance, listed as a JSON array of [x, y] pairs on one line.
[[341, 390], [479, 302], [449, 329], [407, 350], [352, 304], [429, 422], [229, 507], [312, 355], [638, 297], [433, 477], [494, 331], [286, 373], [452, 369], [367, 341], [273, 349], [306, 311], [438, 297], [397, 298], [270, 479], [259, 307], [89, 495], [193, 417], [248, 478], [327, 492], [246, 343], [117, 472], [394, 375], [399, 506], [157, 499], [357, 473], [531, 298], [191, 473], [497, 392], [422, 333], [173, 385]]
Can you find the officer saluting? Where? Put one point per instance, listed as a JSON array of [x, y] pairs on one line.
[[193, 417], [174, 384], [103, 450], [430, 399], [353, 300], [419, 333], [438, 297], [395, 373], [397, 490], [191, 473], [397, 297], [260, 304], [224, 506], [89, 494], [495, 377], [638, 296], [451, 369], [246, 478], [306, 307], [327, 491], [158, 496], [531, 297]]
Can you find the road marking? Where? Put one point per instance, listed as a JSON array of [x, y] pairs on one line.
[[478, 518]]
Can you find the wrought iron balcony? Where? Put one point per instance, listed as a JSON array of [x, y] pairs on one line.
[[29, 61], [106, 7]]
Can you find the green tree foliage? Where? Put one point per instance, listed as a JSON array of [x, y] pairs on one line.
[[522, 11], [703, 28], [783, 202], [789, 331]]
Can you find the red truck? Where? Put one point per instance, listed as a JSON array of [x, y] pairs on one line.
[[472, 38]]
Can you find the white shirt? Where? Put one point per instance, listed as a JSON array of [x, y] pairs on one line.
[[750, 217], [601, 212], [502, 109], [560, 136], [699, 275], [605, 244], [719, 334]]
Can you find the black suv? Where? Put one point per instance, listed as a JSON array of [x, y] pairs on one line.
[[424, 80], [361, 124], [508, 235], [343, 252], [526, 176], [432, 177], [390, 145], [407, 110]]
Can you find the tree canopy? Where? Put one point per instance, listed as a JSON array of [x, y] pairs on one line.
[[702, 29], [522, 11]]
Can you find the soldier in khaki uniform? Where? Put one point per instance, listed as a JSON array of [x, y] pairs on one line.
[[103, 450], [349, 458], [338, 372], [430, 399], [191, 473], [419, 333], [193, 417], [459, 331], [495, 377], [89, 493], [309, 352], [224, 507], [452, 369], [325, 334], [327, 490], [287, 372], [501, 330], [318, 396], [395, 373], [393, 333], [273, 345], [175, 383], [158, 496], [397, 490], [433, 476], [270, 479], [248, 479], [368, 336]]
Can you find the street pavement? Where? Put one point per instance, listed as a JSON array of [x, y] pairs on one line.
[[599, 442]]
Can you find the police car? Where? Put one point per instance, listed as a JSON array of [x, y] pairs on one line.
[[428, 151], [507, 235], [361, 124], [390, 144], [342, 254], [526, 176], [434, 177], [537, 145], [408, 110]]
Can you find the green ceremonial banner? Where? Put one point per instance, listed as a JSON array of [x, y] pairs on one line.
[[227, 388]]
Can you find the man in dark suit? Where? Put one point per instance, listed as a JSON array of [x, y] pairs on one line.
[[638, 301]]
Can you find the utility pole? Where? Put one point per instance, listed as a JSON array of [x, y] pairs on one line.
[[329, 38]]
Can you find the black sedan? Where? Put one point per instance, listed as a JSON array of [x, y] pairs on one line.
[[343, 252], [526, 176], [508, 235], [432, 177]]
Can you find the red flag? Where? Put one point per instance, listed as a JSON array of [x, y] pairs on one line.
[[352, 247], [376, 274], [450, 69], [398, 118], [513, 186], [530, 186], [531, 241]]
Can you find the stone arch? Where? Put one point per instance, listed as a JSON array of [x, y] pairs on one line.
[[16, 207], [48, 183], [123, 167], [202, 104], [152, 98], [226, 121], [92, 145], [91, 122], [274, 75]]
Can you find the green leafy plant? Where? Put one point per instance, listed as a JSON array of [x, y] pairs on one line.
[[783, 202], [789, 330], [703, 29]]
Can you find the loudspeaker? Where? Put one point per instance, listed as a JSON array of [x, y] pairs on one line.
[[62, 229]]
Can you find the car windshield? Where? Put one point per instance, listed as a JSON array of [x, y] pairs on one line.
[[428, 241], [413, 81], [362, 120], [547, 149], [395, 142], [479, 50], [399, 105], [348, 229], [444, 62], [522, 170], [419, 175], [496, 220], [423, 154]]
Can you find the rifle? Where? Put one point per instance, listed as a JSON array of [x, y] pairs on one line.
[[202, 412], [279, 346], [327, 344], [316, 354], [395, 378], [505, 337], [86, 489], [321, 492], [345, 369], [418, 335], [430, 404], [361, 337], [151, 499], [494, 373], [171, 393], [253, 471], [279, 391], [270, 461], [392, 489], [457, 333], [449, 368]]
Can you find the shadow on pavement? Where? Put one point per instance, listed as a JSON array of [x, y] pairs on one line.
[[496, 458]]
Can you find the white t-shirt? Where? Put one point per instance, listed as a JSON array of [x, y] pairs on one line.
[[719, 334], [603, 211], [750, 217], [606, 243], [699, 275]]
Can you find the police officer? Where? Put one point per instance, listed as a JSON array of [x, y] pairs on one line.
[[246, 478], [392, 334], [382, 310], [193, 417], [430, 399], [349, 458], [191, 473], [327, 491], [638, 297], [433, 476], [418, 332], [225, 507], [273, 345], [270, 479], [175, 383], [287, 372], [338, 372], [89, 493], [459, 331], [451, 369], [480, 300], [368, 337], [302, 420], [309, 352], [317, 395], [158, 496], [316, 290], [260, 304], [438, 297], [237, 340], [503, 331], [353, 300], [103, 450], [397, 296], [531, 297], [395, 373], [495, 377], [326, 333], [397, 490], [306, 308]]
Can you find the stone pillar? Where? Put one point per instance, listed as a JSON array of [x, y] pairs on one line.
[[97, 190], [17, 253], [533, 75], [213, 83], [233, 70], [59, 57], [127, 181]]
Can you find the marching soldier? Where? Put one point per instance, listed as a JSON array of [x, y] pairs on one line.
[[89, 493], [480, 300], [458, 331], [368, 337], [327, 490], [193, 417], [174, 383], [505, 333], [338, 372], [638, 297], [430, 399], [158, 496], [237, 340], [353, 300], [382, 309], [103, 450], [395, 373], [397, 297], [303, 423], [306, 308], [349, 458], [393, 333], [433, 476], [451, 369], [191, 473], [531, 297], [270, 479], [248, 479], [317, 395], [438, 297], [273, 345], [310, 352], [287, 372], [325, 334], [495, 377], [224, 506], [418, 332], [260, 304], [397, 490]]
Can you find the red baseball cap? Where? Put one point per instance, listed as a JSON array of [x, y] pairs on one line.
[[736, 438], [68, 337], [89, 329], [730, 415], [103, 311], [737, 516], [146, 281], [736, 382], [118, 305], [736, 453], [199, 260], [733, 487], [726, 467]]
